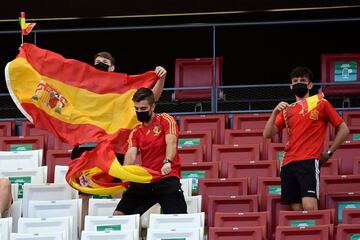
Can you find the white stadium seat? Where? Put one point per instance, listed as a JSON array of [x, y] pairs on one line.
[[110, 235], [5, 228], [45, 192], [193, 204], [25, 159], [113, 223], [62, 208], [102, 207], [186, 186], [47, 225], [15, 212], [60, 173], [183, 233], [166, 221], [38, 236]]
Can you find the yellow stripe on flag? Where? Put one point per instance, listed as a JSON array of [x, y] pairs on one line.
[[133, 172], [101, 110]]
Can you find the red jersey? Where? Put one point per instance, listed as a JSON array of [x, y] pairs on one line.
[[306, 132], [150, 140]]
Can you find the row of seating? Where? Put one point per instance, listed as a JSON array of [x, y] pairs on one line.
[[228, 161], [225, 195], [216, 122], [241, 225]]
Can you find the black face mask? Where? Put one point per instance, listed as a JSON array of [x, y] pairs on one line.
[[300, 89], [102, 66], [143, 116]]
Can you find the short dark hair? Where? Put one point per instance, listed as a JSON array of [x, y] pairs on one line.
[[106, 55], [302, 72], [144, 94]]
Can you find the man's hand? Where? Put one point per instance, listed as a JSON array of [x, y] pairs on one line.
[[324, 157], [281, 106], [166, 169], [160, 72]]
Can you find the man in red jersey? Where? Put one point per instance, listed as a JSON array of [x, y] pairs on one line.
[[156, 139], [303, 154]]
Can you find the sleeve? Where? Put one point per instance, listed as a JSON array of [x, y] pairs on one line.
[[279, 121], [170, 126], [331, 115], [133, 141]]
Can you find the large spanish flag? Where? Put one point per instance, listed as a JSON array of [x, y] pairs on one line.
[[78, 104]]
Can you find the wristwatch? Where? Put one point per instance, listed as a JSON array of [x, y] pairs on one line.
[[329, 152], [167, 161]]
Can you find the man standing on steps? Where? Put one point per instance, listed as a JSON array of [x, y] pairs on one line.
[[303, 154]]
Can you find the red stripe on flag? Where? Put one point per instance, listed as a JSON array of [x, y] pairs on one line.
[[79, 74], [76, 134]]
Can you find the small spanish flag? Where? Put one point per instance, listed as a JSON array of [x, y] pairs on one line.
[[310, 103], [25, 27]]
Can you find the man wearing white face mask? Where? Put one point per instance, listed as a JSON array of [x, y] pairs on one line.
[[303, 154]]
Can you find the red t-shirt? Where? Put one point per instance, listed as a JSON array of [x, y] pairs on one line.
[[150, 140], [306, 132]]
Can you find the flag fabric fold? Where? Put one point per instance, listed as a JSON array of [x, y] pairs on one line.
[[80, 104]]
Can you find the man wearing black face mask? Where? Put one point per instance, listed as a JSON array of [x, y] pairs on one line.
[[303, 154], [156, 139], [104, 61]]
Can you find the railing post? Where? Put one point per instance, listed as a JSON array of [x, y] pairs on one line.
[[214, 99]]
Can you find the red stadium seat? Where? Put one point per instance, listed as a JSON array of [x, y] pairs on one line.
[[214, 122], [276, 151], [253, 169], [244, 152], [238, 233], [274, 207], [354, 134], [28, 129], [7, 128], [268, 186], [20, 143], [352, 118], [348, 232], [339, 201], [197, 72], [331, 167], [56, 157], [222, 187], [199, 170], [306, 218], [189, 137], [245, 219], [321, 232], [191, 154], [357, 165], [333, 184], [247, 136], [228, 204], [351, 216], [347, 152], [340, 68], [250, 121]]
